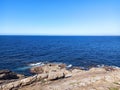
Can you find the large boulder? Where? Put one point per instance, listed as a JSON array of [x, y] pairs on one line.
[[47, 68], [54, 71], [37, 70]]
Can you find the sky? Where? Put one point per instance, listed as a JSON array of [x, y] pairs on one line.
[[59, 17]]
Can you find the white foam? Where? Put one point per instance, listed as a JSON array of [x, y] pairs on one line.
[[30, 66], [37, 64], [69, 66], [99, 66]]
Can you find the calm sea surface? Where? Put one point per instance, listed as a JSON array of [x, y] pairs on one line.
[[17, 53]]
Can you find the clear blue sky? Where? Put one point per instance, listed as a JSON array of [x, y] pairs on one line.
[[60, 17]]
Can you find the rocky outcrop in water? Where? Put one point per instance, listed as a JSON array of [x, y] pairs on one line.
[[7, 75]]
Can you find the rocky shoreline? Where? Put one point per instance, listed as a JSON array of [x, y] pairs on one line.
[[57, 77]]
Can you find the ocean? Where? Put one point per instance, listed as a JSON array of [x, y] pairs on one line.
[[19, 53]]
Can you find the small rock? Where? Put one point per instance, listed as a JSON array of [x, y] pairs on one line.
[[62, 66]]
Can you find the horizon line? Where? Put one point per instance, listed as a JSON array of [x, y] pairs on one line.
[[50, 35]]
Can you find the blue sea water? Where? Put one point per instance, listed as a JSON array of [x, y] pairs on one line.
[[17, 52]]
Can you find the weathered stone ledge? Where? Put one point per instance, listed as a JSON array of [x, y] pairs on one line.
[[78, 78]]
